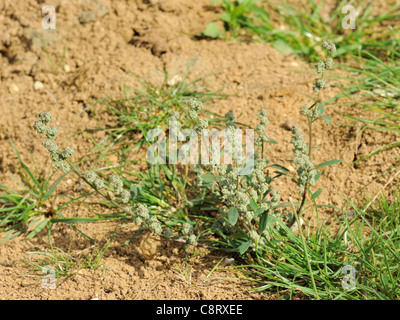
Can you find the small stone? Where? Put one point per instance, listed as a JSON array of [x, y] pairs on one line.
[[174, 80], [87, 16], [14, 88], [287, 125], [67, 68], [37, 85], [69, 181]]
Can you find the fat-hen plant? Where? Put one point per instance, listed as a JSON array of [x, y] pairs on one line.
[[113, 190], [248, 203]]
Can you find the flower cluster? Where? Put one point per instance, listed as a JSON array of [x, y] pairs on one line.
[[248, 196], [195, 106], [260, 129], [305, 167], [321, 66], [59, 157]]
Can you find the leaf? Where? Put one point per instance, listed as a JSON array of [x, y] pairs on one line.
[[244, 246], [327, 163], [212, 30], [39, 227], [321, 109], [282, 46], [327, 119], [135, 191], [278, 166], [264, 221], [253, 204], [208, 178], [316, 194], [233, 215], [317, 176]]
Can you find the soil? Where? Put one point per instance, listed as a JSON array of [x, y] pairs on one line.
[[91, 55]]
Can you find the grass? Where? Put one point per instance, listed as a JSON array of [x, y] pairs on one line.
[[299, 31], [64, 264], [288, 267], [373, 88]]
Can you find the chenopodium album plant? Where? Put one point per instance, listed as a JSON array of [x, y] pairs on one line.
[[249, 205], [120, 197]]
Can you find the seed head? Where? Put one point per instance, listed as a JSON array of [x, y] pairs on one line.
[[320, 67], [67, 152], [51, 132], [329, 46], [45, 117], [329, 64], [91, 177], [39, 126], [98, 183], [125, 195]]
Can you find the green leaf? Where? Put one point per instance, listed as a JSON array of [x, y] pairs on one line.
[[327, 119], [233, 215], [321, 109], [253, 204], [278, 166], [282, 46], [327, 163], [135, 191], [208, 178], [317, 176], [40, 226], [264, 220], [244, 246], [212, 30], [316, 194]]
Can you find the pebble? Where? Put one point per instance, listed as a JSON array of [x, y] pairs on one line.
[[37, 85], [87, 16], [67, 68], [14, 88]]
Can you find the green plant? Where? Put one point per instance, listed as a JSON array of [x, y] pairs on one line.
[[237, 14], [374, 86], [300, 31], [31, 209]]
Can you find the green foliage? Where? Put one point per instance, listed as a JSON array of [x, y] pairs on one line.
[[305, 27]]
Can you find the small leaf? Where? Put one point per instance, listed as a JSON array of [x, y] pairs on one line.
[[212, 30], [264, 221], [282, 46], [135, 191], [253, 204], [244, 246], [321, 109], [317, 176], [327, 163], [327, 119], [39, 227], [278, 166], [316, 194], [233, 215], [208, 178]]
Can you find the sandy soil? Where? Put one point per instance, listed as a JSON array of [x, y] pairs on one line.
[[96, 46]]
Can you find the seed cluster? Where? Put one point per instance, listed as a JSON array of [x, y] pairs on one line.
[[59, 157], [321, 66]]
